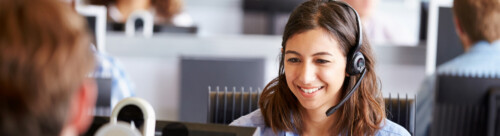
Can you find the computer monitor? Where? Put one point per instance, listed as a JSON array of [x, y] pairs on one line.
[[443, 44], [96, 20], [286, 6]]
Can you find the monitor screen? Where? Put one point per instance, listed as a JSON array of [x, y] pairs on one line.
[[96, 21], [388, 22], [443, 43], [448, 43], [91, 23]]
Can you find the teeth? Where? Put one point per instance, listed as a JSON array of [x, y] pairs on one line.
[[310, 90]]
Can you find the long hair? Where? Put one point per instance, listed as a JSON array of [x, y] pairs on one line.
[[364, 112]]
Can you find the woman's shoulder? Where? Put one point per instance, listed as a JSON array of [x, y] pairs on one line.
[[253, 119], [390, 128]]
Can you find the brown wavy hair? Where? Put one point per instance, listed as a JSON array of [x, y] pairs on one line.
[[364, 112], [45, 55]]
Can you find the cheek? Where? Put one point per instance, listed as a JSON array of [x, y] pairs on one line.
[[334, 77], [289, 75]]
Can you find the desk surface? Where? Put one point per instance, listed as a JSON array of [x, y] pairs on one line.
[[194, 129]]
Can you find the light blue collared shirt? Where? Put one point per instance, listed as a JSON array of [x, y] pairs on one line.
[[255, 119], [109, 67], [481, 61]]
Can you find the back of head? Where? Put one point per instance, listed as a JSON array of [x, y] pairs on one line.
[[44, 58], [479, 19]]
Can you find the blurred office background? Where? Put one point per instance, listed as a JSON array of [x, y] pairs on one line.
[[246, 32]]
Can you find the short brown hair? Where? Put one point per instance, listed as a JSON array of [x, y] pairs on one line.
[[479, 19], [45, 56], [363, 113]]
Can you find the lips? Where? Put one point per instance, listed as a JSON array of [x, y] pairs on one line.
[[310, 90]]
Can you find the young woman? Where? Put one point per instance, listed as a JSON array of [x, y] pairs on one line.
[[321, 50]]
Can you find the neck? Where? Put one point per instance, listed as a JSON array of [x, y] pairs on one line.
[[126, 7], [317, 123]]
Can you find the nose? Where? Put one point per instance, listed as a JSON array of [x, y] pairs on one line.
[[307, 73]]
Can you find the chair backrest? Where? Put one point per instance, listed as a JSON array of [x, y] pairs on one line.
[[401, 111], [461, 105], [198, 73], [229, 104], [103, 104], [494, 112]]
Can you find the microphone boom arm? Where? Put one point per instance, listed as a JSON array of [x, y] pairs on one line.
[[334, 108]]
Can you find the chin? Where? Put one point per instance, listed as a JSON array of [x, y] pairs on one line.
[[309, 105]]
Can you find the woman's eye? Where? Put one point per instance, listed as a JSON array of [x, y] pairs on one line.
[[322, 61], [293, 60]]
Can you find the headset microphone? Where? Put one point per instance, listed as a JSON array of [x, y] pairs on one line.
[[355, 62], [334, 108]]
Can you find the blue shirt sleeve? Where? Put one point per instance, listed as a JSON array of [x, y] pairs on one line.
[[109, 67]]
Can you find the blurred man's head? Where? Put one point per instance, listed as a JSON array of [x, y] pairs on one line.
[[477, 20], [44, 62], [365, 8]]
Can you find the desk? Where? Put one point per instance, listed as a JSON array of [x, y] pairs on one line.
[[194, 129]]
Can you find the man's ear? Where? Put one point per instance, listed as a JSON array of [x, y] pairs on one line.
[[458, 26], [82, 105], [462, 34]]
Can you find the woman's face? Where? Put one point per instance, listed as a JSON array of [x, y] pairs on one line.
[[314, 68]]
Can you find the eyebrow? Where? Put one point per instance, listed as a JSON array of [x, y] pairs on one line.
[[315, 54]]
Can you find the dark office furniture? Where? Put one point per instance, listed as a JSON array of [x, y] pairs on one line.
[[401, 110], [157, 28], [197, 73], [462, 105], [193, 129], [448, 43], [227, 104], [494, 112], [270, 10], [103, 104]]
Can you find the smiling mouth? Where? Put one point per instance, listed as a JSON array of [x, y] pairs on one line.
[[312, 90]]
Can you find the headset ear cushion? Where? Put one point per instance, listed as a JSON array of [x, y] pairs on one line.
[[357, 64]]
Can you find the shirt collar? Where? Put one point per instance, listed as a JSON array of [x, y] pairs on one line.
[[485, 46]]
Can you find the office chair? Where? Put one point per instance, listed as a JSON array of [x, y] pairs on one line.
[[229, 104], [103, 103], [463, 106], [401, 111], [494, 112], [197, 73]]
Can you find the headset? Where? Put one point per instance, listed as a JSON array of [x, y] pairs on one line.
[[355, 61]]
